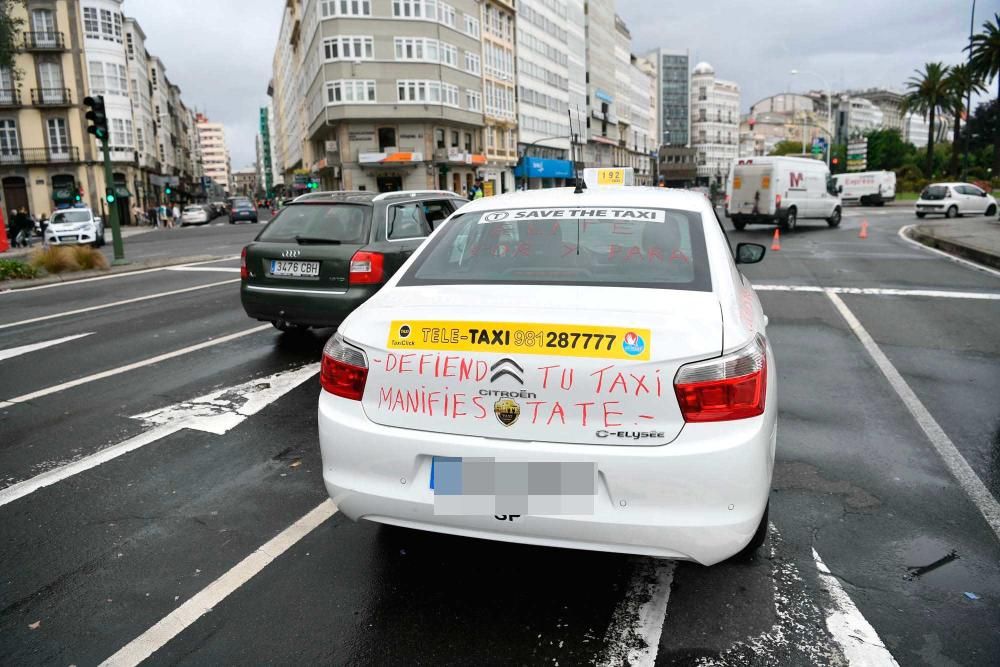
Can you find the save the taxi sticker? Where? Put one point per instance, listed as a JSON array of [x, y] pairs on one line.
[[566, 340]]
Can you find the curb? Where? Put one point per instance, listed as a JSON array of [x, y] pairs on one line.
[[971, 253], [6, 285]]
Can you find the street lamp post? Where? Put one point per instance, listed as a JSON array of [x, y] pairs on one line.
[[829, 111]]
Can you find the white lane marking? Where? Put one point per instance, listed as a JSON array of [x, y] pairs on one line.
[[50, 477], [855, 635], [221, 269], [958, 260], [223, 409], [123, 274], [114, 304], [881, 291], [25, 349], [216, 413], [130, 367], [212, 595], [651, 581], [953, 459]]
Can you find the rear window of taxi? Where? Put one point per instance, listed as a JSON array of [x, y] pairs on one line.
[[650, 248]]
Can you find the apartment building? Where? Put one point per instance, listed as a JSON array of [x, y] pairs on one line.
[[634, 108], [602, 34], [383, 95], [499, 98], [715, 124], [214, 152], [673, 84], [547, 46], [266, 155]]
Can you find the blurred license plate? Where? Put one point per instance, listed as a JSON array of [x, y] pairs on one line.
[[281, 267], [68, 238]]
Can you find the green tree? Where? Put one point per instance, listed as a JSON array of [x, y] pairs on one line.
[[961, 80], [928, 94], [787, 148], [10, 30], [984, 59], [887, 150]]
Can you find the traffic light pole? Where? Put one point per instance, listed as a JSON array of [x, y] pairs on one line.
[[116, 230]]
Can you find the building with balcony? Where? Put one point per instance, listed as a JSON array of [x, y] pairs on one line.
[[715, 123], [72, 49], [214, 152], [381, 95], [602, 36], [499, 95]]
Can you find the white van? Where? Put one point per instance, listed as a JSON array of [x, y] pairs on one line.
[[868, 188], [779, 190]]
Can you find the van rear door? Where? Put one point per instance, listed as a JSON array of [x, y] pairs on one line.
[[754, 187]]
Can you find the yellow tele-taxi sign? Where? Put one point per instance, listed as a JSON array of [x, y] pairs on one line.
[[566, 340]]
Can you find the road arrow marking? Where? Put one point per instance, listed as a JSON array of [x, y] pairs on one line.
[[215, 413], [34, 347]]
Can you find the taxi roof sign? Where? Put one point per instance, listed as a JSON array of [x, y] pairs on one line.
[[599, 177]]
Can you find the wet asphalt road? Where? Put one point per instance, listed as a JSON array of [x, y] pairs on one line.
[[93, 561]]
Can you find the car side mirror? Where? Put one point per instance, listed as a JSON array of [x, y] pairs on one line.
[[749, 253]]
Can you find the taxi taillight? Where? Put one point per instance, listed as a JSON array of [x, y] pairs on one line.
[[733, 386], [366, 268], [344, 369], [244, 272]]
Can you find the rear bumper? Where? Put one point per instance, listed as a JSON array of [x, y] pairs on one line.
[[699, 498], [303, 306], [759, 218]]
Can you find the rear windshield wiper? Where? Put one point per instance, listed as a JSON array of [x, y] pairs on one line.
[[306, 240]]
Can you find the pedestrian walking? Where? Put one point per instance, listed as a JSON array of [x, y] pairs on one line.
[[152, 217], [23, 227], [176, 216]]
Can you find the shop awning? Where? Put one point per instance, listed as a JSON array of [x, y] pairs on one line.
[[390, 158]]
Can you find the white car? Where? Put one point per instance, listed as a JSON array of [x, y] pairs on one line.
[[75, 226], [954, 199], [194, 214], [551, 367]]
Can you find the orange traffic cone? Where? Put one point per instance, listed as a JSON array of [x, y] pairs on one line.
[[776, 243], [4, 243], [863, 234]]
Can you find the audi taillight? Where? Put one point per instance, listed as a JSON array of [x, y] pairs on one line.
[[730, 387], [366, 268], [244, 272], [344, 369]]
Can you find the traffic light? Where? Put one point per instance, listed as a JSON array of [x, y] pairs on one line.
[[835, 160], [79, 195], [313, 185], [97, 116], [168, 190], [110, 195]]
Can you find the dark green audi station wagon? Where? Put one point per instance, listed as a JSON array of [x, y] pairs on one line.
[[326, 253]]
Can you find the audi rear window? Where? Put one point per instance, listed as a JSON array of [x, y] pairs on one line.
[[342, 223], [653, 248]]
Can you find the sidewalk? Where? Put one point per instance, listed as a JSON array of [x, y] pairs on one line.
[[976, 239]]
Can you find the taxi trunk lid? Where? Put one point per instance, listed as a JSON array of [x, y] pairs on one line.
[[590, 365]]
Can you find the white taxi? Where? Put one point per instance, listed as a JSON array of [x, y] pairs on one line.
[[582, 368]]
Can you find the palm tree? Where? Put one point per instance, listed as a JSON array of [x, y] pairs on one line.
[[984, 59], [961, 81], [928, 94]]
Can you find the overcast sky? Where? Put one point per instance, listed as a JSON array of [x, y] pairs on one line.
[[219, 51]]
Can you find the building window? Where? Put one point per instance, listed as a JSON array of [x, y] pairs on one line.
[[427, 10], [702, 115], [107, 25], [347, 47], [468, 142], [8, 137], [350, 91], [91, 27], [439, 138], [129, 47], [471, 27], [58, 137], [386, 139], [454, 139], [118, 27], [449, 55], [345, 8], [121, 134], [473, 100], [427, 92], [107, 79], [472, 63]]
